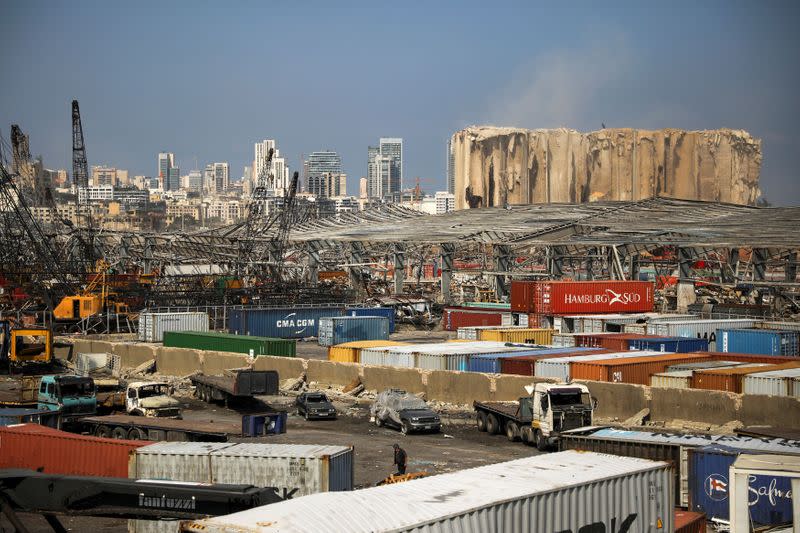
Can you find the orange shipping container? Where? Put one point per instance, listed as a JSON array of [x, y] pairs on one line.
[[730, 379], [617, 342], [36, 447], [525, 365], [631, 370]]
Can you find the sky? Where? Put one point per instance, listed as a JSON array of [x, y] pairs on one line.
[[205, 80]]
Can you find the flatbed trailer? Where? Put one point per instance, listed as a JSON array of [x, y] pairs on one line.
[[156, 429], [237, 385], [21, 391], [498, 417]]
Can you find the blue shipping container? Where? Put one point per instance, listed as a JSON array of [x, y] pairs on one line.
[[670, 344], [769, 497], [490, 363], [340, 329], [13, 415], [281, 322], [387, 312], [758, 341]]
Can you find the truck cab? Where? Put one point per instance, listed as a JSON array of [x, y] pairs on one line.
[[73, 396], [151, 399], [556, 408]]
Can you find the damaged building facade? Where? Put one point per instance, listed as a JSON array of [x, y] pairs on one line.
[[495, 166]]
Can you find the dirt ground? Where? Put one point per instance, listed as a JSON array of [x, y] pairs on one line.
[[458, 446]]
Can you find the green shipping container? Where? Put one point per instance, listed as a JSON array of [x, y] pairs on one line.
[[227, 342]]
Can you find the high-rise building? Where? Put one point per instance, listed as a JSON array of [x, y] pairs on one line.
[[327, 185], [217, 177], [168, 174], [102, 175], [195, 181], [445, 202], [362, 188], [173, 180], [319, 163], [451, 168], [279, 170], [385, 167]]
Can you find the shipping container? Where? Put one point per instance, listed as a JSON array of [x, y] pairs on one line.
[[472, 333], [664, 445], [636, 370], [339, 329], [673, 379], [280, 322], [532, 320], [637, 329], [556, 297], [293, 469], [459, 317], [758, 341], [670, 344], [226, 342], [152, 326], [751, 358], [564, 340], [489, 305], [348, 352], [556, 492], [35, 447], [770, 497], [786, 326], [386, 312], [521, 335], [525, 365], [19, 415], [689, 522], [701, 365], [617, 342], [559, 368], [730, 379], [697, 329], [771, 383]]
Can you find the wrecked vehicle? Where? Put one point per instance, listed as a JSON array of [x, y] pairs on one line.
[[315, 405], [400, 409], [152, 399]]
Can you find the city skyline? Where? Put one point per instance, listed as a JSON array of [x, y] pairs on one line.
[[629, 66]]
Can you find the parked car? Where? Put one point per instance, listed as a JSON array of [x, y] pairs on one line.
[[400, 409], [315, 405]]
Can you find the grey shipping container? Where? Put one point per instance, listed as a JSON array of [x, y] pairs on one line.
[[294, 469], [772, 383], [341, 329], [281, 322], [567, 491], [703, 329], [153, 325]]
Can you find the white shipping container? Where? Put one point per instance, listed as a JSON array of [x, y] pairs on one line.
[[470, 333], [153, 325], [559, 367], [706, 329], [678, 379], [435, 356], [87, 362], [566, 491], [564, 340], [771, 383]]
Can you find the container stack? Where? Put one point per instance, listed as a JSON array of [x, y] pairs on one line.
[[341, 329], [152, 326], [225, 342]]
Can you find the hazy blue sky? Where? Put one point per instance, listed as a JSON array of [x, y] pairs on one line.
[[208, 79]]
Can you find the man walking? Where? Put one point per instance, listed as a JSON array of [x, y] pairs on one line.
[[400, 458]]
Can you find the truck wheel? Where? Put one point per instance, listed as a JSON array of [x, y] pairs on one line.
[[541, 441], [492, 425], [378, 421], [512, 431], [136, 434], [526, 434], [404, 427], [480, 419], [118, 433], [102, 431]]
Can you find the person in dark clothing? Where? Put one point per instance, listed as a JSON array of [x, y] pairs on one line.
[[400, 458]]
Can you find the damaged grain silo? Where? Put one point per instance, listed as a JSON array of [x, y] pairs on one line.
[[498, 166]]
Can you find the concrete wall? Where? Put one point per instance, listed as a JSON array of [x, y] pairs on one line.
[[616, 400]]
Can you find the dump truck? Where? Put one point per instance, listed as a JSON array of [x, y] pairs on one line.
[[235, 385], [72, 396], [537, 419], [24, 348]]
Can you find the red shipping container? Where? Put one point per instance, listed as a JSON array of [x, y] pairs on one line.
[[730, 379], [525, 365], [456, 317], [557, 297], [522, 296], [689, 522], [635, 370], [35, 447]]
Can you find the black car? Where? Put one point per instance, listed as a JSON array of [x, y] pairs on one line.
[[398, 408], [315, 405]]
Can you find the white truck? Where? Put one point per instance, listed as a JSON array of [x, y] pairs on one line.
[[151, 399], [537, 419]]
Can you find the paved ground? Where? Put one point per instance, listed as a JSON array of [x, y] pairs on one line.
[[458, 446]]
